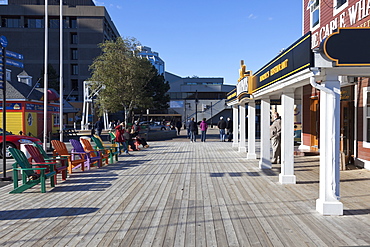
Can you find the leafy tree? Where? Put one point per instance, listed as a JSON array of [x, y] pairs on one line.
[[156, 90], [122, 77], [53, 78]]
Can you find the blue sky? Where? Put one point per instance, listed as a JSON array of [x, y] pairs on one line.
[[209, 38]]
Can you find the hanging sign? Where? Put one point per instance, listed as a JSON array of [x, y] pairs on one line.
[[348, 47]]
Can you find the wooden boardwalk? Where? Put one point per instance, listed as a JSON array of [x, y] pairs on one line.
[[186, 194]]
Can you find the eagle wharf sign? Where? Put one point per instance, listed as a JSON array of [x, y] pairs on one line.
[[295, 58]]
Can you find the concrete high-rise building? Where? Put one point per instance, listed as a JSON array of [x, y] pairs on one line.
[[153, 57], [84, 27]]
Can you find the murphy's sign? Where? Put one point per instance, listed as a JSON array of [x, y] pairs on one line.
[[295, 58]]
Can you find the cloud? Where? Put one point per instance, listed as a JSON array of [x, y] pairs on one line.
[[252, 16]]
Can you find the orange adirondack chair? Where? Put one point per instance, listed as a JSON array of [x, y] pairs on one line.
[[60, 149], [87, 147], [59, 164]]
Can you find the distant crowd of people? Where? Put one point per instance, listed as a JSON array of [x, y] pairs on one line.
[[225, 129], [124, 135]]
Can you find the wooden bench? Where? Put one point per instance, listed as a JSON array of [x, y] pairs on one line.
[[32, 174]]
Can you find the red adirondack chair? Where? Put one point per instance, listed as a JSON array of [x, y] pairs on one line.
[[59, 164]]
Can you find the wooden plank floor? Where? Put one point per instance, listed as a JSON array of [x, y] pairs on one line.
[[186, 194]]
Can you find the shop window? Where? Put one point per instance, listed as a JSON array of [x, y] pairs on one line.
[[315, 13], [366, 105], [56, 119]]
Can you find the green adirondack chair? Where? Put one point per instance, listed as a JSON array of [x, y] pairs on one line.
[[112, 151], [113, 137], [32, 174]]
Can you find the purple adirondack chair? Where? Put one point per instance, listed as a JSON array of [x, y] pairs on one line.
[[90, 159]]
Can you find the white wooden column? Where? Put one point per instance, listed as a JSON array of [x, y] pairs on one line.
[[235, 126], [242, 143], [287, 138], [252, 130], [328, 202], [265, 162]]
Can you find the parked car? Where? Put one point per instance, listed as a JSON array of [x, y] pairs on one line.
[[15, 141], [156, 126]]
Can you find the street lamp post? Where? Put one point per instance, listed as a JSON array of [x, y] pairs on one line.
[[196, 106], [211, 117]]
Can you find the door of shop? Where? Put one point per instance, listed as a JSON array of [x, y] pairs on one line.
[[347, 125], [315, 118]]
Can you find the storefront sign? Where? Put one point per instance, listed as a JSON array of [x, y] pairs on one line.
[[294, 59], [348, 47]]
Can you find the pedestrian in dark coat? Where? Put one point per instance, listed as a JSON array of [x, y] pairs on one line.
[[98, 126], [222, 126], [229, 129], [193, 130]]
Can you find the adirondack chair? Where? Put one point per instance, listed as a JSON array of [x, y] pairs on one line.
[[113, 151], [60, 149], [107, 145], [30, 175], [120, 145], [60, 165], [90, 159], [87, 147]]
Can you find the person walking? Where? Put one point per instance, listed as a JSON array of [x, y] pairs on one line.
[[203, 129], [187, 127], [98, 126], [275, 136], [178, 126], [222, 126], [193, 129], [229, 129]]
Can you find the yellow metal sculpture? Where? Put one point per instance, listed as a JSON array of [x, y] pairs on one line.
[[242, 71]]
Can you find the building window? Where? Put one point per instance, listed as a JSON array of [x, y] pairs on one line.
[[339, 6], [34, 23], [366, 105], [339, 3], [315, 13], [74, 84], [74, 39], [73, 22], [74, 69], [10, 22], [74, 54], [54, 23], [56, 121]]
